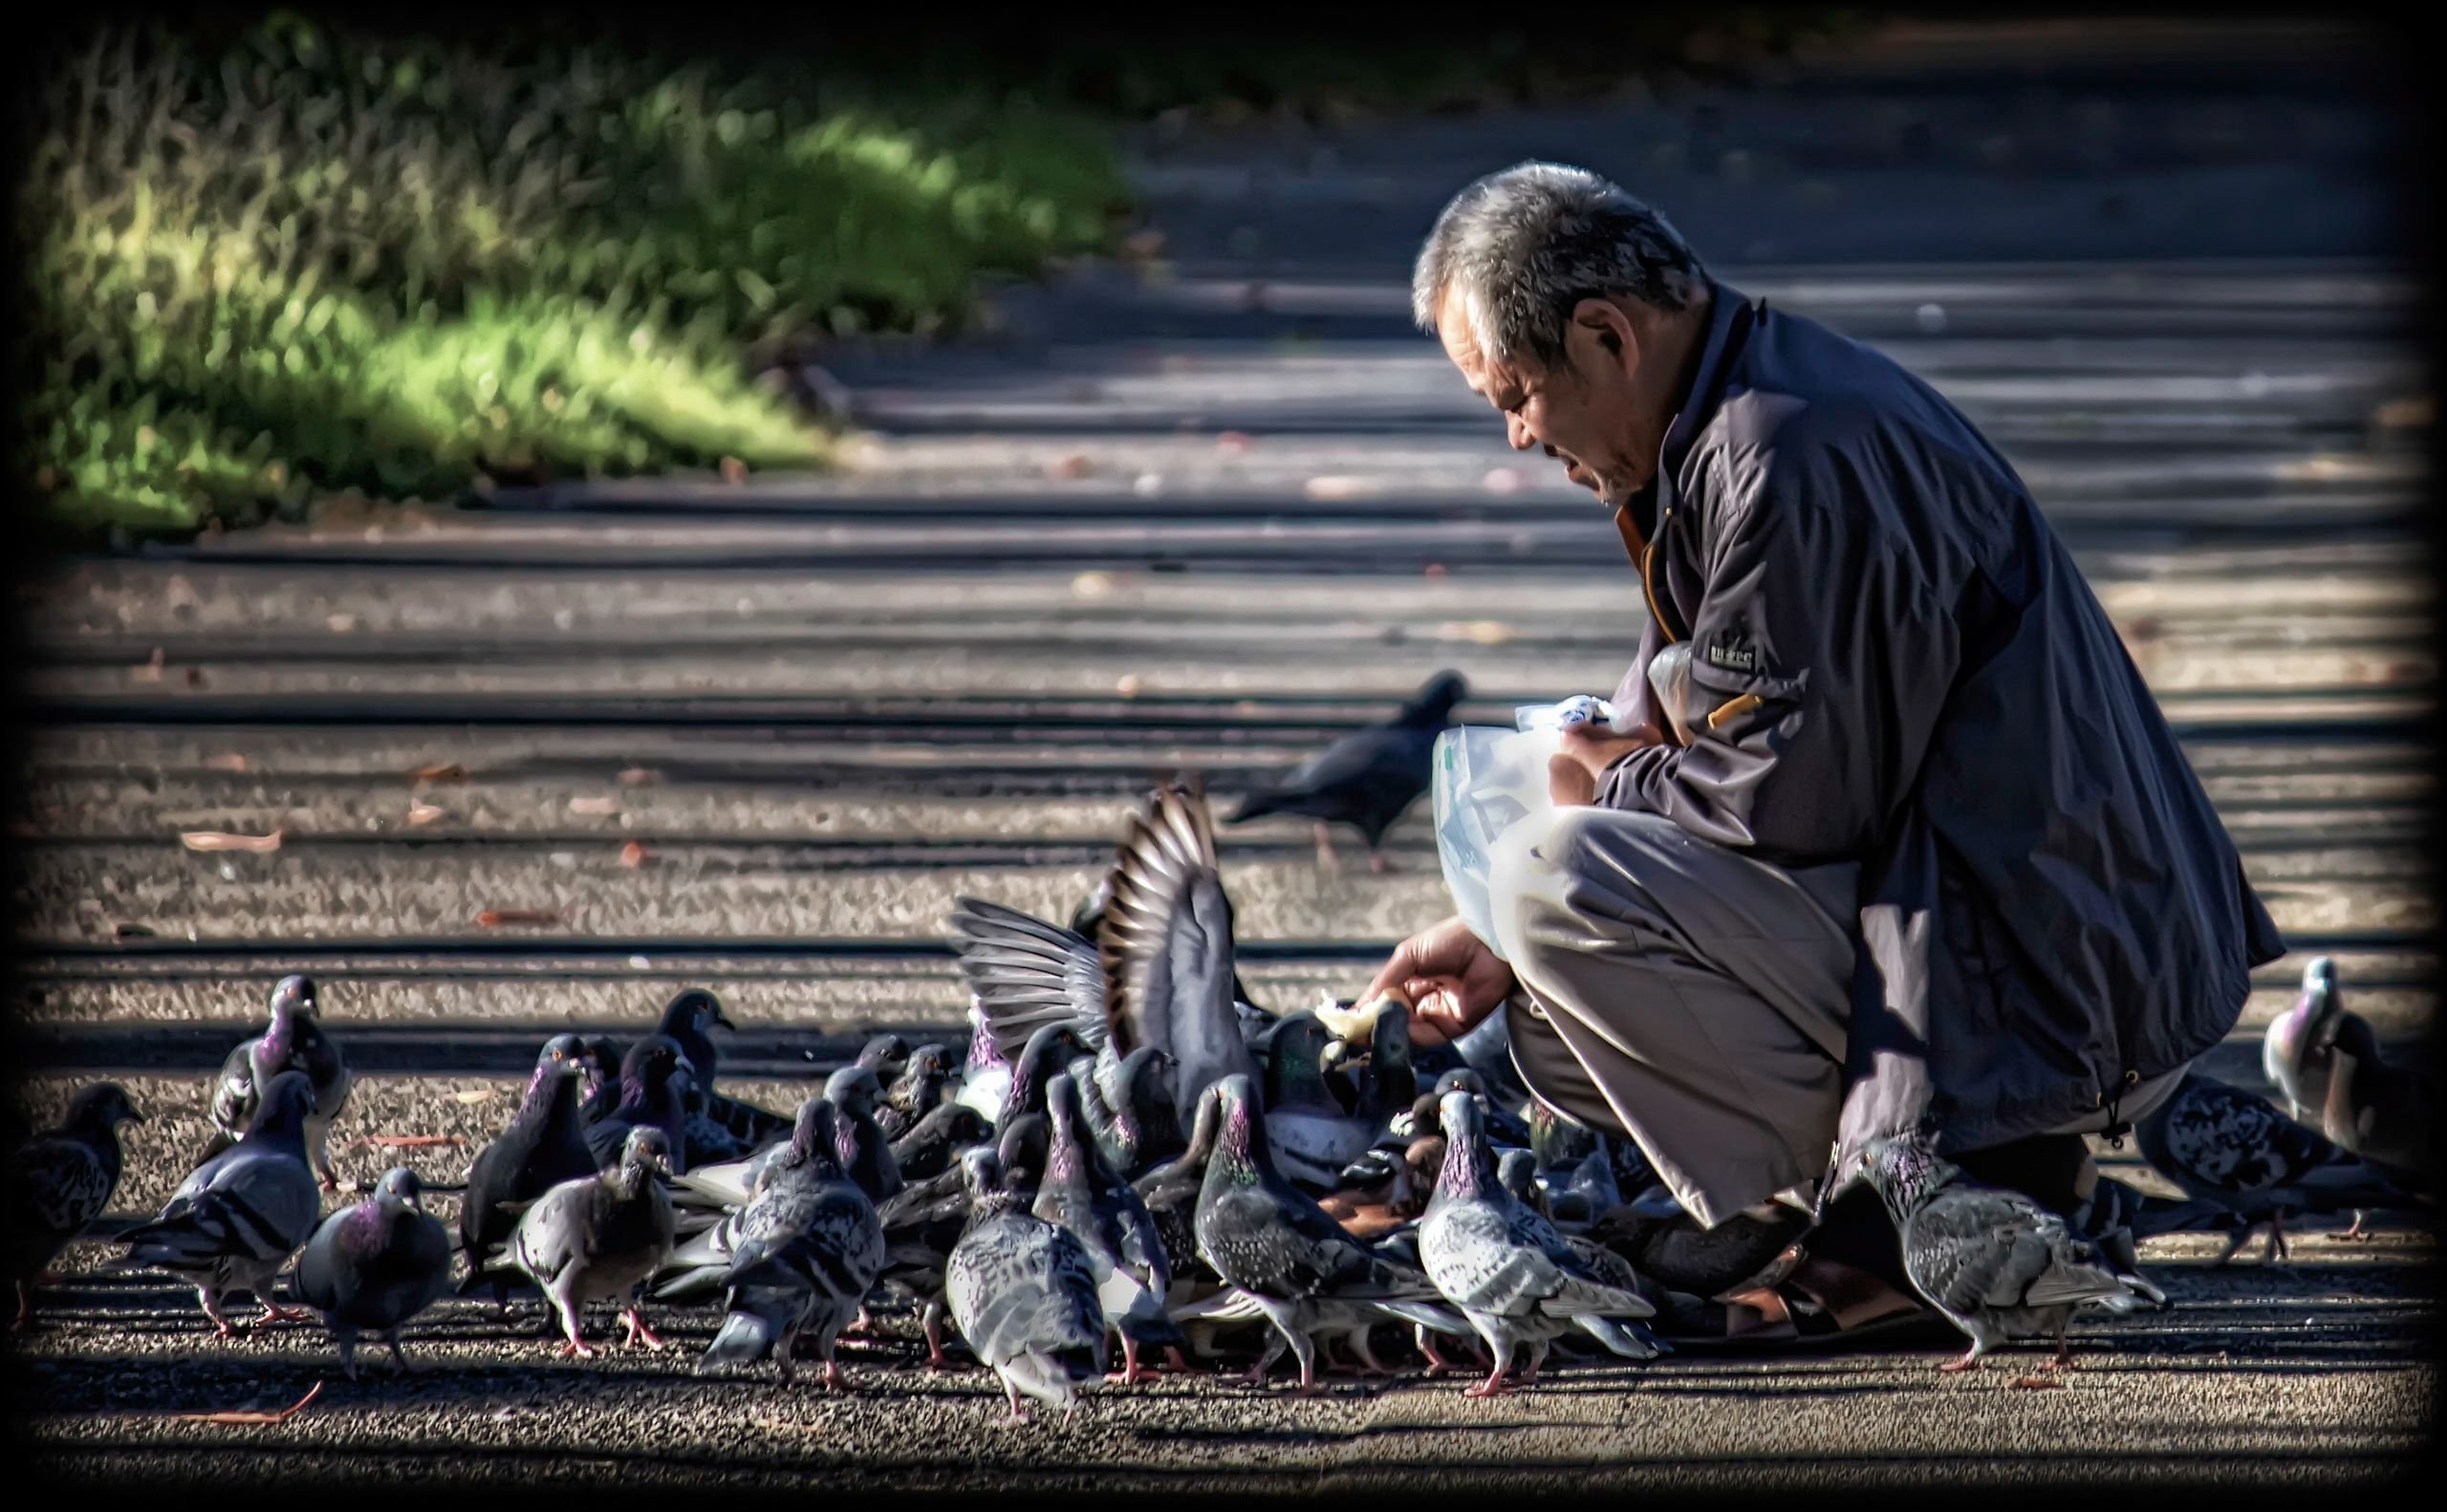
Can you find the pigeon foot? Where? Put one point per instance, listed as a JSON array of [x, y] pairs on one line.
[[639, 1331], [579, 1348], [1969, 1362]]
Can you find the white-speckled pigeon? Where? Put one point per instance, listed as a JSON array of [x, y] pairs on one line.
[[1999, 1265], [2294, 1050], [1023, 1293], [2233, 1148], [293, 1041], [653, 1078], [1506, 1270], [236, 1220], [372, 1267], [544, 1146], [1268, 1240], [58, 1182], [1369, 778], [750, 1197], [1084, 1194], [1159, 972], [809, 1251], [599, 1238]]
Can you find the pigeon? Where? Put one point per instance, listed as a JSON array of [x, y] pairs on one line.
[[1504, 1128], [1517, 1172], [749, 1196], [1087, 922], [915, 1091], [934, 1145], [1389, 1081], [1505, 1269], [2295, 1049], [1129, 1112], [1311, 1133], [544, 1146], [603, 1057], [1386, 1190], [1171, 1192], [920, 1225], [1369, 778], [986, 1076], [1023, 1293], [719, 1127], [237, 1218], [653, 1078], [1999, 1265], [2377, 1108], [372, 1267], [1021, 1131], [863, 1150], [1286, 1254], [1083, 1192], [1587, 1190], [599, 1238], [293, 1041], [58, 1182], [1159, 972], [810, 1251], [2225, 1146]]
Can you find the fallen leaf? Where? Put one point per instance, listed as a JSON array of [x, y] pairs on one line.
[[423, 813], [230, 762], [151, 671], [598, 805], [473, 1095], [441, 772], [1129, 686], [341, 624], [1432, 570], [1074, 464], [735, 470], [1232, 441], [1339, 487], [250, 1419], [633, 855], [2404, 413], [636, 776], [217, 840], [1504, 480], [1092, 585], [407, 1141], [494, 917], [1479, 631]]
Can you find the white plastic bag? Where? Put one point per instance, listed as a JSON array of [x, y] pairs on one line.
[[1488, 780]]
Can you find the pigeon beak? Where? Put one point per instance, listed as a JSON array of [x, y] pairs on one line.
[[723, 1019]]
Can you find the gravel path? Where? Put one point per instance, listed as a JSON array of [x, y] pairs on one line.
[[1209, 512]]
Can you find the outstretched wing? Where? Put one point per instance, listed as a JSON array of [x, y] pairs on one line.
[[1167, 944], [1027, 973]]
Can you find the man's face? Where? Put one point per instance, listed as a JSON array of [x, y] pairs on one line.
[[1583, 413]]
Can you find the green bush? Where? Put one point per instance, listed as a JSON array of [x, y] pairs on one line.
[[303, 262]]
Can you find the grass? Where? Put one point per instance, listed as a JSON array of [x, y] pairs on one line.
[[298, 264]]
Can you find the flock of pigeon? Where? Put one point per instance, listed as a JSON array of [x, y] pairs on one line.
[[1133, 1150]]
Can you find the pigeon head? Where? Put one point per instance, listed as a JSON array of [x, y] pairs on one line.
[[1389, 1043], [2319, 977], [292, 997], [1067, 1156], [1037, 1066], [854, 1089], [1433, 703], [603, 1061], [400, 1188], [1297, 1061], [2352, 1034], [653, 1061], [288, 1101], [100, 1108], [930, 1062], [1468, 1167], [694, 1012], [564, 1058], [980, 1172], [1561, 1143], [815, 1137], [1090, 915], [1147, 1078], [1517, 1172], [647, 1150], [1904, 1171], [883, 1053], [1461, 1078]]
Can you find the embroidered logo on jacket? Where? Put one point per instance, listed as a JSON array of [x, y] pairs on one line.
[[1734, 656]]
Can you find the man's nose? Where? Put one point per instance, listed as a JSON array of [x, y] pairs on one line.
[[1518, 433]]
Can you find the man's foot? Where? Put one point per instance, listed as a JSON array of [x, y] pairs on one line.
[[1817, 1302]]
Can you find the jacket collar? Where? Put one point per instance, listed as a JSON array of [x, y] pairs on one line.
[[1731, 314]]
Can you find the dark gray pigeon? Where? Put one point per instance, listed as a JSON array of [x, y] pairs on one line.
[[1159, 973], [653, 1078], [1171, 1193], [544, 1146], [599, 1239], [1506, 1270], [1312, 1134], [1084, 1194], [1999, 1265], [719, 1127], [604, 1058], [864, 1152], [2225, 1146], [237, 1218], [293, 1041], [809, 1253], [1368, 779], [917, 1092], [2378, 1110], [886, 1055], [373, 1267], [1023, 1293], [2295, 1047], [1274, 1244], [921, 1227], [58, 1182], [1128, 1104], [934, 1145]]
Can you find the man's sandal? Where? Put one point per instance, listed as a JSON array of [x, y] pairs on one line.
[[1816, 1304]]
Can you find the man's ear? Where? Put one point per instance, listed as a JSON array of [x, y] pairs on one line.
[[1604, 321]]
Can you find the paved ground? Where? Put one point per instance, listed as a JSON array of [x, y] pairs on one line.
[[1211, 511]]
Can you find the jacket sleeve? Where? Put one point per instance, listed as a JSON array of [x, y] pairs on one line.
[[1820, 662]]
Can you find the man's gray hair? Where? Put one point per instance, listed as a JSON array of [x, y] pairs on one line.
[[1525, 245]]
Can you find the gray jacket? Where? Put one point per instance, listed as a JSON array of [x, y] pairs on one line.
[[1906, 669]]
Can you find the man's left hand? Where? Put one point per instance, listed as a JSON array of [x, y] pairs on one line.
[[1573, 772]]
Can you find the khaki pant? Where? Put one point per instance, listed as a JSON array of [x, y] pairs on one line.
[[1689, 998]]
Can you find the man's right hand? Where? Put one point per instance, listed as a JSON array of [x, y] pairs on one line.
[[1450, 979]]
